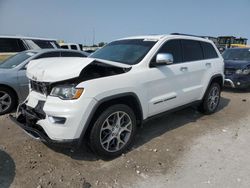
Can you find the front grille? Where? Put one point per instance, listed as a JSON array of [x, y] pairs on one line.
[[229, 71], [40, 87]]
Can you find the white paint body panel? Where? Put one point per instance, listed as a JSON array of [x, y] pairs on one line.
[[61, 68], [164, 83]]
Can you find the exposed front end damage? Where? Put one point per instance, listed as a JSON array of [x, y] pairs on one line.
[[98, 70], [27, 119], [52, 119]]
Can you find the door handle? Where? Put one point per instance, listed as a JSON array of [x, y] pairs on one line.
[[208, 65], [183, 69]]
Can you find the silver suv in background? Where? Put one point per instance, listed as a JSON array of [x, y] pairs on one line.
[[10, 45]]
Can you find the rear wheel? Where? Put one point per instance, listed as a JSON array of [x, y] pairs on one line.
[[211, 100], [113, 132], [8, 100]]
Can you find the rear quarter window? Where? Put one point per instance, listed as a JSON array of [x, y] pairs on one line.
[[192, 50], [208, 50]]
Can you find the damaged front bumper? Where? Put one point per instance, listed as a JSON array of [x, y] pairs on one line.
[[27, 120]]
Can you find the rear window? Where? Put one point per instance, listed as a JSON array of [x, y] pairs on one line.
[[16, 60], [38, 44], [49, 54], [208, 50], [64, 47], [72, 54], [44, 44], [192, 50], [73, 47], [11, 45]]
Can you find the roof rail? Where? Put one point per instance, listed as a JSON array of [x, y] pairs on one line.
[[186, 35]]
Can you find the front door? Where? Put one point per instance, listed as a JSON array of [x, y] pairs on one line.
[[165, 83]]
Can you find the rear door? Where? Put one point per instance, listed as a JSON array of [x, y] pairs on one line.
[[194, 70]]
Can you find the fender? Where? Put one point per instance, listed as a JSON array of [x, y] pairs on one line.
[[211, 79]]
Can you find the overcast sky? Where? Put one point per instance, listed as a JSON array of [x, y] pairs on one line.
[[76, 20]]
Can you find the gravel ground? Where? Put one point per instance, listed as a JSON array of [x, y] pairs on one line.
[[182, 149]]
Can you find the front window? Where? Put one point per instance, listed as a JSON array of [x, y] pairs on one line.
[[237, 54], [16, 60], [129, 52]]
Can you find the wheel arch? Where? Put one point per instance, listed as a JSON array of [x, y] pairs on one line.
[[130, 99], [215, 78], [12, 89]]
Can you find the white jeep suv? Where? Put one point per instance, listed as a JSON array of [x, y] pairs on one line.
[[106, 96]]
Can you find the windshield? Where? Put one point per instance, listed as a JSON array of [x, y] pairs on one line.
[[16, 60], [237, 54], [129, 52]]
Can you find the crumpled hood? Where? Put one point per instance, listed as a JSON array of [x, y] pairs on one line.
[[236, 64], [62, 68]]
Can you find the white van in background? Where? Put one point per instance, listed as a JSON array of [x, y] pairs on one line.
[[10, 45], [71, 46]]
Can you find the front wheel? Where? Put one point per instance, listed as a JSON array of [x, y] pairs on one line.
[[114, 131], [8, 101], [211, 100]]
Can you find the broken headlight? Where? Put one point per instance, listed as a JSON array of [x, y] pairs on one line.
[[67, 92]]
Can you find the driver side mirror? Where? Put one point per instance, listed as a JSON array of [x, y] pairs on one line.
[[164, 59]]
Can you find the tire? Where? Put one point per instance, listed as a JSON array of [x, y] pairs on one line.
[[211, 99], [8, 100], [110, 136]]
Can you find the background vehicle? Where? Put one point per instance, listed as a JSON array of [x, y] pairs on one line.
[[225, 42], [237, 67], [214, 39], [106, 96], [239, 43], [71, 46], [10, 45], [13, 81]]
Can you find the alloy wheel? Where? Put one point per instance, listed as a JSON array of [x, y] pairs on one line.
[[116, 131], [213, 98], [5, 101]]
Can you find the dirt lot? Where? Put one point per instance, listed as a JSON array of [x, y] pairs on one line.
[[184, 149]]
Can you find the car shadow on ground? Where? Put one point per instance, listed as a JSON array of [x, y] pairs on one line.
[[150, 130], [234, 90], [158, 126], [7, 170]]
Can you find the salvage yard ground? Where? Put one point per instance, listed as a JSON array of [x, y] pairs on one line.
[[183, 149]]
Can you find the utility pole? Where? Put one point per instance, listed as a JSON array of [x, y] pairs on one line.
[[93, 36]]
